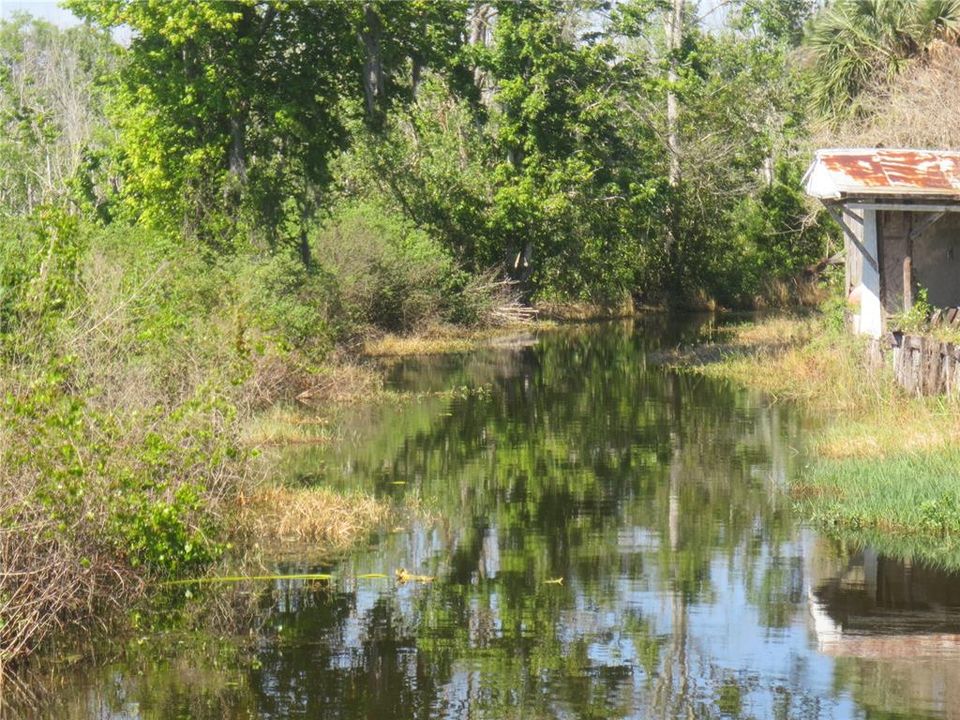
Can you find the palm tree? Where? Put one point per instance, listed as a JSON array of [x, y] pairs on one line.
[[857, 43]]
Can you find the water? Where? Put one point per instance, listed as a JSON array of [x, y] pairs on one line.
[[608, 539]]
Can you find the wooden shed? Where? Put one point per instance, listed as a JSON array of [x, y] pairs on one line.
[[900, 212]]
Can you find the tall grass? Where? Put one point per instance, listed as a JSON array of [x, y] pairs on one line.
[[807, 358], [905, 493], [311, 515]]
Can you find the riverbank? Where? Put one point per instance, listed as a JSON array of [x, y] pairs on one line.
[[884, 466], [108, 494]]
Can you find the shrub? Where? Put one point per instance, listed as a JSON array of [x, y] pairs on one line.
[[390, 274], [118, 428], [39, 259], [294, 307]]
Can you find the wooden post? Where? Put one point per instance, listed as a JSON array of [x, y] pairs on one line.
[[907, 280], [908, 262]]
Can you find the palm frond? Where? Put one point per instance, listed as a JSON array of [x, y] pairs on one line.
[[854, 43]]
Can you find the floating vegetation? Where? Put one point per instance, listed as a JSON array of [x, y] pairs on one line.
[[247, 578], [401, 574], [404, 576]]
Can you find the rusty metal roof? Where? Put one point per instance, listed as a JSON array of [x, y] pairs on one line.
[[839, 174]]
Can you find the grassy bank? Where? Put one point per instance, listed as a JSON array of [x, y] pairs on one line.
[[884, 466], [141, 374]]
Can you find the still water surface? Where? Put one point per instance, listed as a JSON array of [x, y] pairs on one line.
[[609, 539]]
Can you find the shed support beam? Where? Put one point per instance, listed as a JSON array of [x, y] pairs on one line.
[[851, 214], [925, 224], [838, 216], [904, 207], [908, 277]]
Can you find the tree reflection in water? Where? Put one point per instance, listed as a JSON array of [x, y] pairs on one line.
[[689, 589]]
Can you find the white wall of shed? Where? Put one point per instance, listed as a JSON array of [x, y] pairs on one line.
[[869, 319]]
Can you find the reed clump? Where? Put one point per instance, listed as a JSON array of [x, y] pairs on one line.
[[280, 514], [580, 311]]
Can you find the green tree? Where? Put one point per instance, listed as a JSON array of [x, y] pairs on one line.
[[227, 108], [526, 167], [566, 173], [230, 112], [730, 147]]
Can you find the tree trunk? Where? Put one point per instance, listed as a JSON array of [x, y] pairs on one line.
[[416, 73], [238, 157], [307, 208], [481, 20], [674, 33], [373, 67], [304, 248], [674, 29]]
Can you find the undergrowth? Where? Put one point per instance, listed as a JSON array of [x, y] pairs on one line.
[[134, 389]]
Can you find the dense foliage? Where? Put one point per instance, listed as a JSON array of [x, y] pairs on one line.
[[526, 138], [555, 167]]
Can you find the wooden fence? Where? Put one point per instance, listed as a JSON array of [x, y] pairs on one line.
[[924, 365]]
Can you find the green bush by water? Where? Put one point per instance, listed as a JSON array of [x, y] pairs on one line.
[[388, 273]]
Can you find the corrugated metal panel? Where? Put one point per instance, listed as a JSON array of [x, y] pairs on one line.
[[868, 173]]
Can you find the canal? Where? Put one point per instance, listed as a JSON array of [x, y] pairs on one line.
[[588, 535]]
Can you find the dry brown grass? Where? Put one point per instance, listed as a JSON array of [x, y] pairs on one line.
[[579, 311], [342, 383], [312, 515], [406, 345], [910, 426], [777, 355], [285, 426], [918, 109], [445, 340], [774, 333], [48, 583], [805, 291], [797, 359]]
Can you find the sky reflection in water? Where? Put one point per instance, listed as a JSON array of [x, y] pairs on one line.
[[689, 589]]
